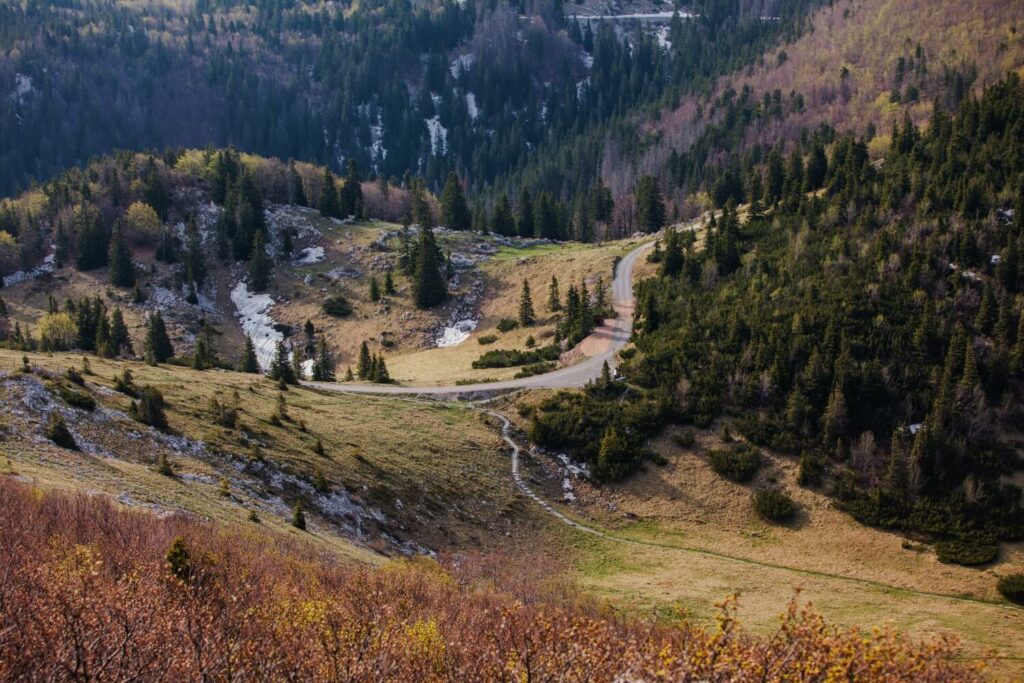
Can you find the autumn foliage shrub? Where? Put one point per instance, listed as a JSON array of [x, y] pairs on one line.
[[93, 592]]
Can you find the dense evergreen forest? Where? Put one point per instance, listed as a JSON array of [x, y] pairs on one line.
[[484, 88], [864, 318]]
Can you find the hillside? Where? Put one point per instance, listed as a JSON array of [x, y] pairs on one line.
[[393, 476], [154, 598], [314, 257], [859, 65]]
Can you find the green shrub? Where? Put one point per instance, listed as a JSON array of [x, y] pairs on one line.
[[812, 469], [969, 552], [337, 306], [150, 408], [57, 431], [737, 462], [75, 377], [76, 399], [774, 505], [487, 339], [535, 369], [684, 439], [1011, 587], [507, 324], [507, 358]]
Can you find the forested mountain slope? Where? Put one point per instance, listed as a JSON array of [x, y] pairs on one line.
[[868, 320], [402, 88], [857, 67]]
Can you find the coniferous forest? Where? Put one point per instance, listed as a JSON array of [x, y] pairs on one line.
[[865, 319]]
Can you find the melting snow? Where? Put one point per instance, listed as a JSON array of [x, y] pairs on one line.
[[22, 87], [438, 136], [252, 313], [573, 469], [456, 334], [48, 266], [462, 64], [311, 255], [474, 111]]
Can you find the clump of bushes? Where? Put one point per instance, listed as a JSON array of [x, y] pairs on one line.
[[150, 408], [774, 505], [487, 339], [738, 462], [1011, 587], [125, 384], [507, 358], [76, 399], [535, 369], [507, 324], [57, 431], [969, 552], [336, 305], [684, 439]]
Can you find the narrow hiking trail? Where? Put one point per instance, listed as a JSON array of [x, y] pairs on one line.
[[524, 488]]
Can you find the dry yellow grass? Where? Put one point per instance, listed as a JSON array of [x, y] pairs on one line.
[[437, 472], [699, 540]]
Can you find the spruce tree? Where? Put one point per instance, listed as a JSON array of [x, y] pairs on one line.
[[351, 195], [526, 314], [672, 259], [502, 223], [389, 283], [281, 367], [365, 364], [298, 517], [525, 221], [454, 211], [554, 299], [260, 265], [329, 205], [250, 363], [120, 340], [158, 348], [297, 370], [122, 270], [650, 207], [421, 213], [323, 366], [429, 288], [374, 289]]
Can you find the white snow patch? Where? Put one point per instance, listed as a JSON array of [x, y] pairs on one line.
[[22, 87], [438, 136], [915, 428], [252, 313], [474, 111], [461, 64], [661, 33], [456, 334], [587, 59], [48, 265], [307, 368], [311, 255], [575, 470]]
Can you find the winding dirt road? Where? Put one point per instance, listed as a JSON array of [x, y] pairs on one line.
[[600, 347]]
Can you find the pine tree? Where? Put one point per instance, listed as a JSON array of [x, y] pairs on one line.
[[349, 377], [260, 265], [249, 363], [389, 283], [380, 371], [835, 421], [296, 188], [429, 288], [526, 314], [351, 195], [454, 211], [554, 300], [525, 221], [502, 223], [323, 367], [672, 259], [150, 408], [281, 367], [374, 289], [296, 359], [157, 347], [122, 270], [329, 205], [298, 517], [650, 207], [364, 367], [420, 207]]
